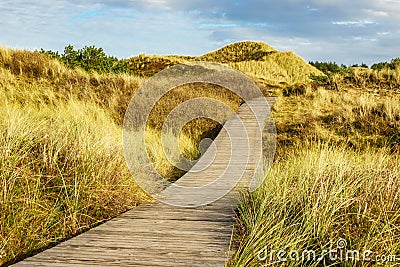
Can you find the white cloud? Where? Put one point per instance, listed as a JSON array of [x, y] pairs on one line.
[[358, 23], [360, 38], [377, 13], [312, 9], [218, 25]]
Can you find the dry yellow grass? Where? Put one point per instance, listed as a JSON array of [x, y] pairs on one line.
[[278, 69], [256, 59], [61, 162], [315, 195], [354, 116], [336, 175], [62, 171]]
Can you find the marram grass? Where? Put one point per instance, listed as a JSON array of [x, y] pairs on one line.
[[316, 195], [61, 170], [336, 173], [61, 164]]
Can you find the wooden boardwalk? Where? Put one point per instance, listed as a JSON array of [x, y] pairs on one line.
[[157, 234]]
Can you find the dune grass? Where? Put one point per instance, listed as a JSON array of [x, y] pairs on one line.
[[315, 195], [278, 69], [336, 172], [355, 116], [62, 171], [336, 175], [61, 164], [256, 59], [380, 80]]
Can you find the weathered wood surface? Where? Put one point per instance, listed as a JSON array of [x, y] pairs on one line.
[[156, 234]]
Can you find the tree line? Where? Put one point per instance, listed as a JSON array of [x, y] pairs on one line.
[[330, 68]]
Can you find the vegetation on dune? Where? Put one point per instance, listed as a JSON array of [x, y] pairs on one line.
[[393, 64], [336, 174], [90, 58], [61, 163], [358, 118], [329, 68], [316, 195], [33, 76], [147, 65], [256, 59], [278, 69], [238, 52], [62, 169]]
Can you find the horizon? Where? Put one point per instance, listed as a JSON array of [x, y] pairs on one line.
[[343, 32]]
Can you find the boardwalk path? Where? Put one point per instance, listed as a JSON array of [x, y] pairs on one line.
[[157, 234]]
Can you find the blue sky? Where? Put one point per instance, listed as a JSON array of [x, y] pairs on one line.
[[344, 31]]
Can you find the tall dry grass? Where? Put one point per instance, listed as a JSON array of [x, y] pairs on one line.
[[316, 195], [278, 69], [61, 170], [336, 175], [61, 164], [357, 117], [382, 79]]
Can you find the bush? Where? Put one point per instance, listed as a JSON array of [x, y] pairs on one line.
[[394, 63], [90, 58], [295, 89], [381, 66], [328, 68], [363, 65], [320, 79]]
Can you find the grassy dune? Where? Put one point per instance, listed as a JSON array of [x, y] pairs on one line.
[[277, 69], [256, 59], [315, 195], [336, 174], [61, 164]]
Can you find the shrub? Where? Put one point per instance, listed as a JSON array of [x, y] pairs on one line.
[[328, 67], [296, 89], [319, 79], [394, 63], [90, 58]]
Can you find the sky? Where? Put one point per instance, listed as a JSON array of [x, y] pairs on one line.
[[344, 31]]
